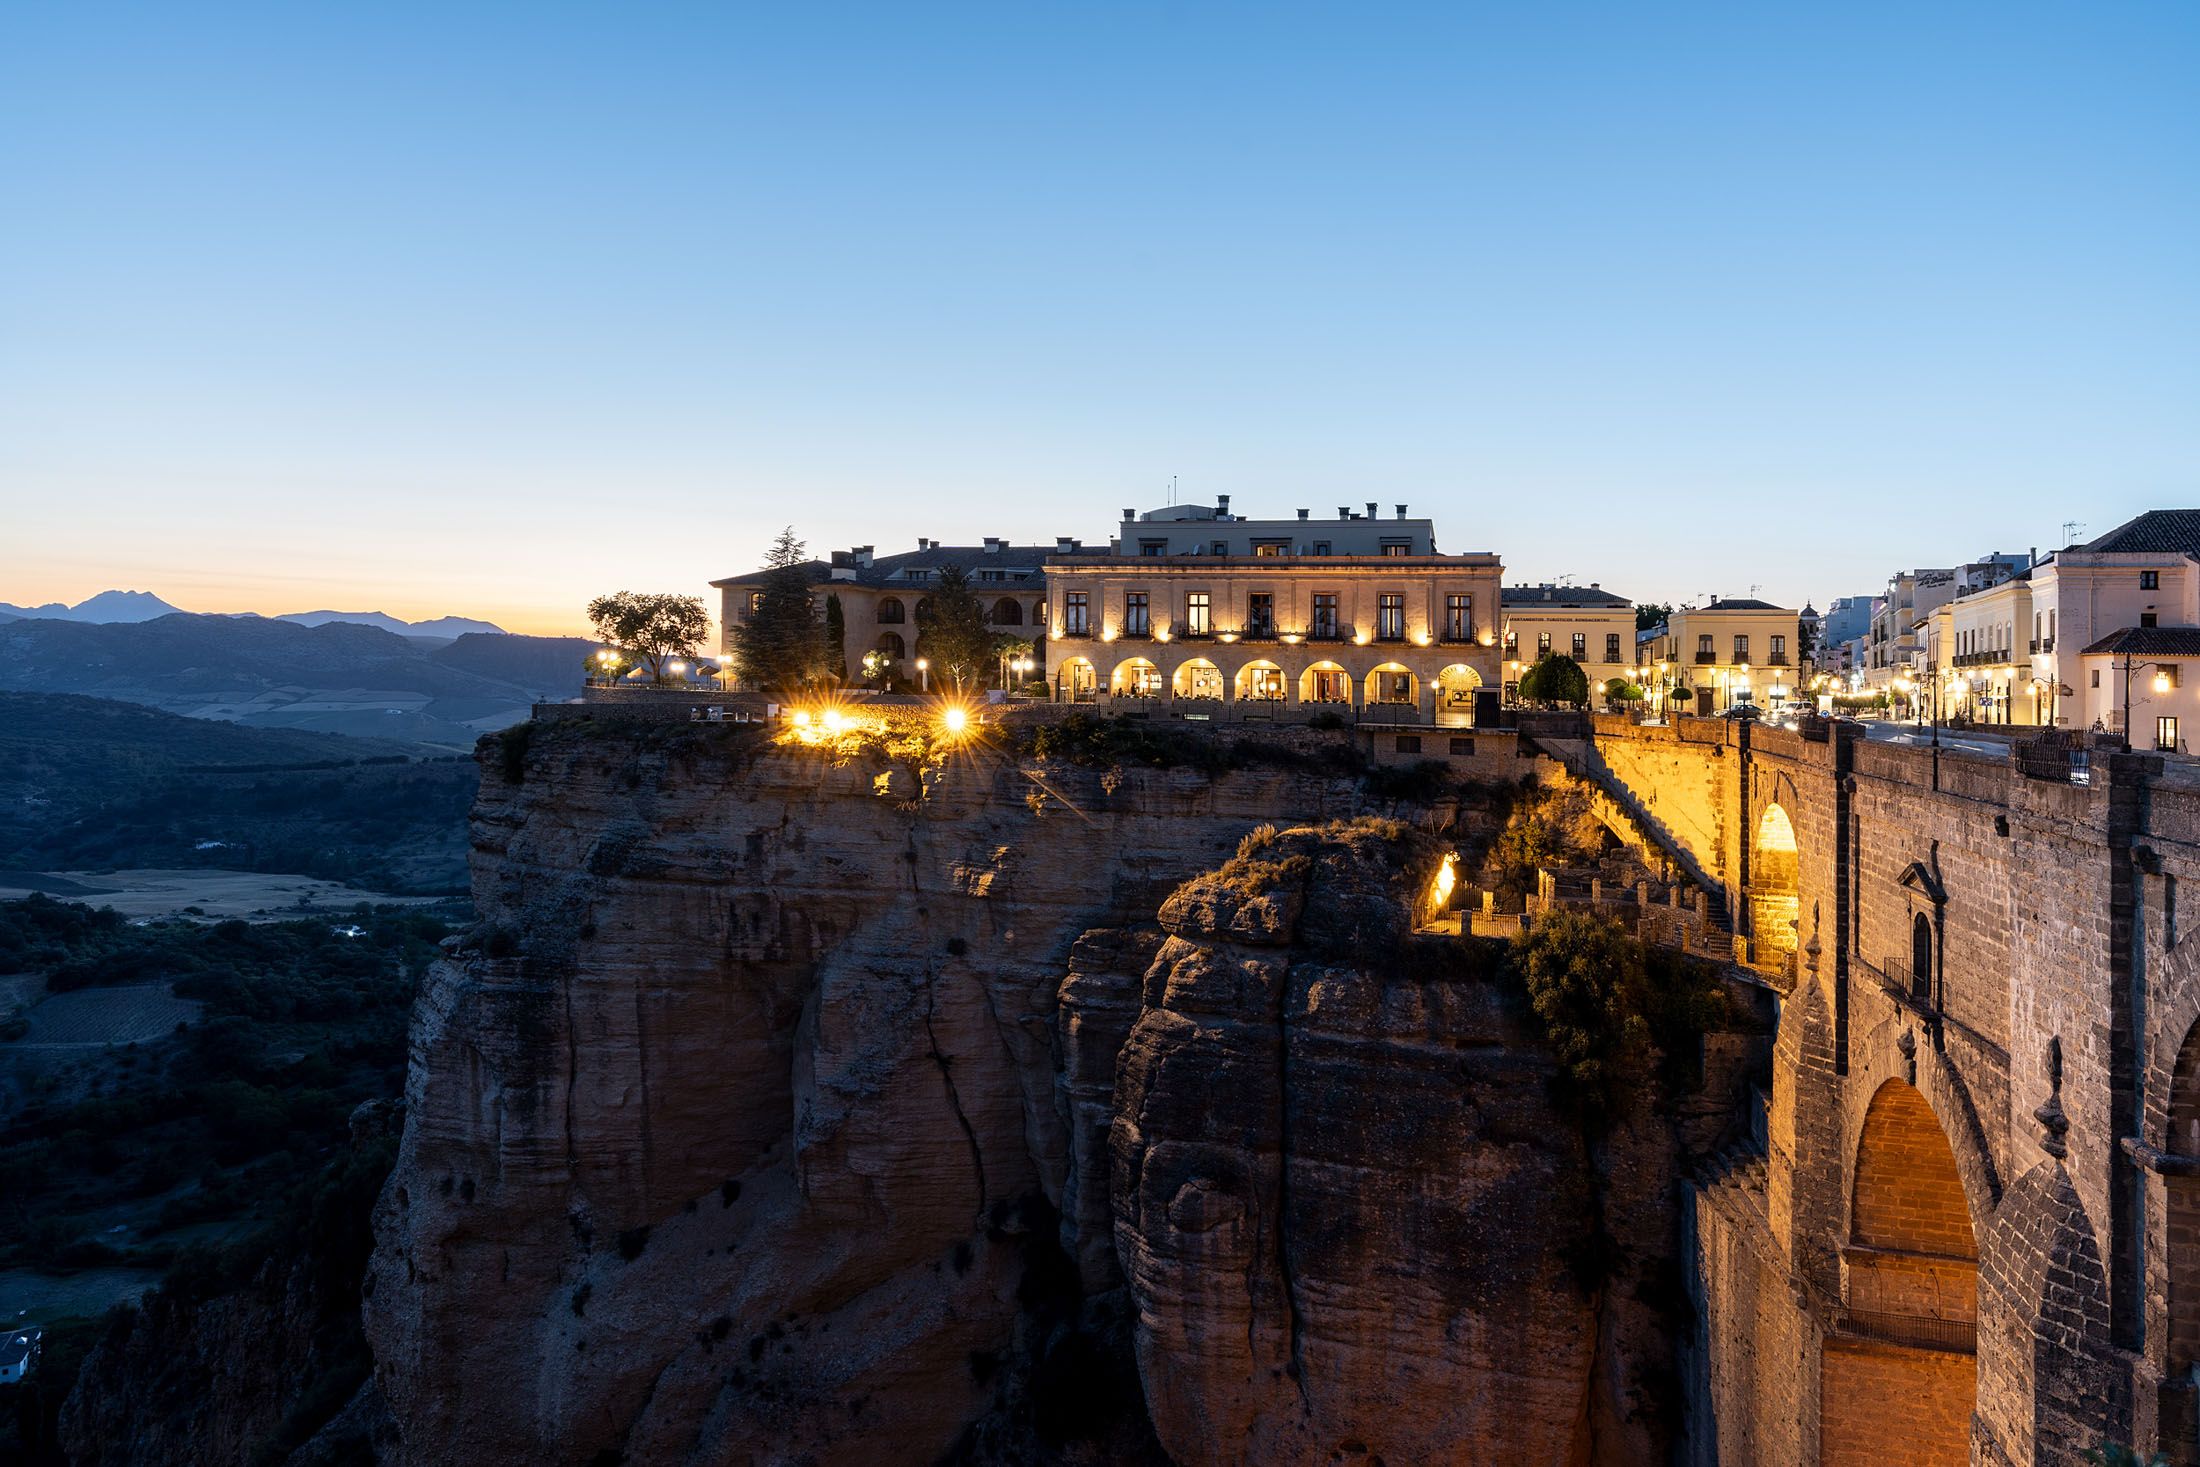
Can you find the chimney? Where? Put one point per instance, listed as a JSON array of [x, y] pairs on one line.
[[1222, 505], [1130, 514], [1401, 511], [1344, 511], [923, 544], [1302, 516], [1063, 544], [862, 554], [993, 545], [1371, 509]]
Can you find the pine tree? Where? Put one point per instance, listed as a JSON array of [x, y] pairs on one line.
[[952, 635], [781, 647]]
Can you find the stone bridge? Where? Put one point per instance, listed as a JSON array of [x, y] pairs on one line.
[[1972, 1231]]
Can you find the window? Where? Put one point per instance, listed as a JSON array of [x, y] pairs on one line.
[[1512, 643], [1137, 614], [2096, 677], [1220, 547], [892, 645], [1741, 647], [2165, 735], [1779, 647], [1325, 616], [992, 575], [1409, 743], [1198, 619], [1921, 958], [1611, 646], [2150, 580], [1264, 684], [2148, 619], [2168, 670], [1153, 547], [1321, 547], [1397, 547], [1390, 617], [1271, 549], [1077, 614], [1260, 614], [1704, 653], [1394, 687], [916, 575], [756, 602], [1329, 685], [1145, 681], [1542, 644], [1580, 651], [1458, 618], [1463, 746], [891, 613]]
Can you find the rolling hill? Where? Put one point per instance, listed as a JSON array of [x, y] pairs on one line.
[[267, 673], [88, 782]]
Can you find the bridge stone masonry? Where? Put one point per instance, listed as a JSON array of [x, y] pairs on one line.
[[1971, 1229]]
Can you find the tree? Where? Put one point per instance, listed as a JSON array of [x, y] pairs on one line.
[[781, 647], [1680, 693], [876, 665], [1649, 614], [951, 632], [836, 639], [1620, 691], [1555, 678], [653, 628]]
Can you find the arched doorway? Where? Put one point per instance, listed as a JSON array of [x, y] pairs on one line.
[[1260, 682], [2181, 1397], [1074, 681], [1198, 678], [1325, 682], [892, 645], [1456, 686], [1136, 678], [1775, 883], [1007, 612], [1393, 684], [1908, 1327], [891, 613]]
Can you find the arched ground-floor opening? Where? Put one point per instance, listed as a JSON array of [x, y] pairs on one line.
[[1393, 684], [1325, 682], [1260, 682], [1899, 1372], [1075, 681], [1198, 678], [1136, 678], [1456, 686]]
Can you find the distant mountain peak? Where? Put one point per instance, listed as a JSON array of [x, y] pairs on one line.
[[442, 626], [107, 606]]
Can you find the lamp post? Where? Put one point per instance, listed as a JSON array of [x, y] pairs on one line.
[[2161, 685], [924, 675]]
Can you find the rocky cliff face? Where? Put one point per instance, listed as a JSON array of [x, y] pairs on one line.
[[791, 1108]]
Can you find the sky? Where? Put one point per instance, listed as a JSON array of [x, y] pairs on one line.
[[486, 309]]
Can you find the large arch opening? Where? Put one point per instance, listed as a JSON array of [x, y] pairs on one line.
[[2183, 1264], [1908, 1328], [1392, 683], [1456, 686], [1007, 612], [1325, 682], [1075, 681], [1260, 682], [1775, 885], [1199, 678], [1136, 678]]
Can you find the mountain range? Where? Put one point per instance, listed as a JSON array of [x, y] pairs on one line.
[[111, 607], [337, 677]]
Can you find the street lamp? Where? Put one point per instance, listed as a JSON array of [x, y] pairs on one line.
[[2161, 685], [924, 675]]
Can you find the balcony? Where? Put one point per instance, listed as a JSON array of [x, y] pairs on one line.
[[1707, 659], [1779, 660]]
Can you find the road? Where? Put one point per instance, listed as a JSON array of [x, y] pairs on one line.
[[1969, 741]]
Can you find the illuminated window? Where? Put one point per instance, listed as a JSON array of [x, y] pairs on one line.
[[1271, 549], [1390, 617], [1458, 618], [1077, 614], [1580, 652], [1325, 615], [1137, 615], [1397, 547], [1542, 644], [1741, 647], [2165, 735], [1260, 614], [1611, 646], [1198, 619]]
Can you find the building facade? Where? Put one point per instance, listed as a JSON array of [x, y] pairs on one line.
[[1587, 623], [1727, 652], [879, 597], [1204, 611]]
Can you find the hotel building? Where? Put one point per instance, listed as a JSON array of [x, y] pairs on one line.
[[1209, 612]]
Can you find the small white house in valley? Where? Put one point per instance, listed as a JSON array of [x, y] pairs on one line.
[[18, 1353]]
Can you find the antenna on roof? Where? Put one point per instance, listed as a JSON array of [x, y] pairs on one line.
[[1172, 488], [1754, 588], [2070, 532]]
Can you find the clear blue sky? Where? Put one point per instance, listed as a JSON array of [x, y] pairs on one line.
[[482, 309]]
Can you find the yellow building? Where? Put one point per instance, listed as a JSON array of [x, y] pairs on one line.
[[1587, 623], [1727, 652], [1206, 612]]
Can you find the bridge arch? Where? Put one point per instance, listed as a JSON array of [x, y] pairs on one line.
[[1908, 1324], [1775, 882]]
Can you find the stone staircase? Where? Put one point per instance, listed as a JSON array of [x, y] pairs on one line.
[[1632, 821]]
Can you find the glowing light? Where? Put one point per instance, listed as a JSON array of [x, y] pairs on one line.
[[955, 719], [802, 718], [834, 723], [1447, 878], [1420, 639], [2161, 682], [1226, 636], [1359, 639]]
